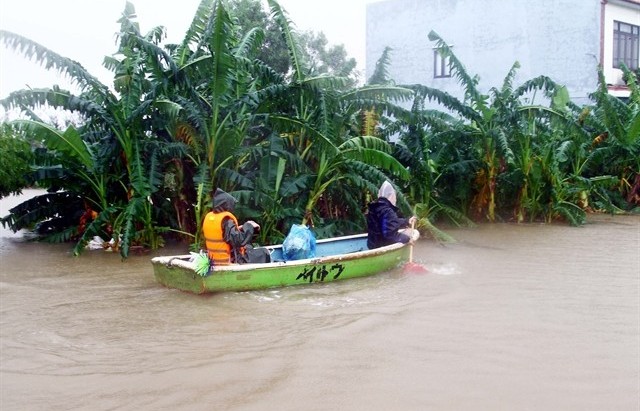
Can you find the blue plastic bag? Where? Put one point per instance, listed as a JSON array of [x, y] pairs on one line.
[[299, 244]]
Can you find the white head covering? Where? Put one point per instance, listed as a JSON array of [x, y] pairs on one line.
[[387, 191]]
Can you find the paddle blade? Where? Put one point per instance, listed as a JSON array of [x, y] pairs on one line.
[[414, 268]]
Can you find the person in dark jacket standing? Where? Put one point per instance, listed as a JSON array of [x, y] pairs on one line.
[[384, 220]]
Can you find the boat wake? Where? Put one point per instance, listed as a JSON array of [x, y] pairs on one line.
[[444, 269]]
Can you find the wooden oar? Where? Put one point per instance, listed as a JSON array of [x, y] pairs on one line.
[[412, 267]]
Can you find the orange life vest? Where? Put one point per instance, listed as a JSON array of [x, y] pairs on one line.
[[219, 250]]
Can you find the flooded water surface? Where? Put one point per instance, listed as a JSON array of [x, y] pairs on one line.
[[511, 317]]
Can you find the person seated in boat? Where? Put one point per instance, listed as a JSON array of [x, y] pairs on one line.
[[384, 220], [227, 241]]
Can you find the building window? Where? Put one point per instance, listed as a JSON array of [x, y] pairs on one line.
[[626, 45], [441, 67]]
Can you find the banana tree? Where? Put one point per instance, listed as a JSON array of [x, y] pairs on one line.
[[207, 102], [318, 120], [500, 126], [428, 145], [114, 123], [79, 168], [615, 127]]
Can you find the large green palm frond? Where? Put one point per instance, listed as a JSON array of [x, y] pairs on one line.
[[381, 72], [130, 80], [507, 84], [323, 142], [542, 83], [195, 117], [270, 98], [374, 151], [249, 43], [458, 69], [447, 100], [622, 121], [377, 94], [220, 45], [299, 65], [41, 208], [81, 160], [126, 20], [159, 63], [32, 50], [68, 142], [502, 143], [57, 98], [327, 82], [138, 222], [191, 45], [504, 103], [266, 76]]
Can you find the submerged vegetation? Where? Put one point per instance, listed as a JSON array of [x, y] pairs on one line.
[[278, 121]]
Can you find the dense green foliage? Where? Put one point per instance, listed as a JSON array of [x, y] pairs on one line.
[[15, 161], [322, 57], [301, 142]]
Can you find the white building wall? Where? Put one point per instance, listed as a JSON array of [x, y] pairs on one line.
[[556, 38]]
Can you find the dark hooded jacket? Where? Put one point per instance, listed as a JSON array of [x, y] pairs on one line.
[[383, 223], [234, 236]]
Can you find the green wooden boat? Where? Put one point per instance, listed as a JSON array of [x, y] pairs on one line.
[[338, 258]]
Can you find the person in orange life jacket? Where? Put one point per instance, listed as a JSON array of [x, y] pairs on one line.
[[384, 220], [227, 242]]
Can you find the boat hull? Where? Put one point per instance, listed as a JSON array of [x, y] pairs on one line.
[[357, 261]]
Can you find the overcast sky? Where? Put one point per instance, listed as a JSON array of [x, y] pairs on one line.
[[83, 30]]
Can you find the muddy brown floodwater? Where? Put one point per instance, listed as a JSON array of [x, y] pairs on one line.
[[511, 317]]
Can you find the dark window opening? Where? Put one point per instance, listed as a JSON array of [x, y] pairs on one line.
[[626, 45], [441, 66]]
